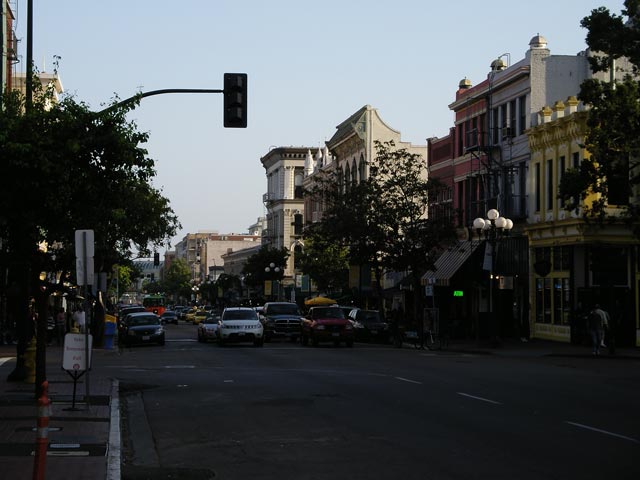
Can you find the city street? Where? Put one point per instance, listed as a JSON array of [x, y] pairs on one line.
[[372, 412]]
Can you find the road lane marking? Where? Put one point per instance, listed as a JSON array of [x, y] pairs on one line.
[[479, 398], [5, 360], [407, 380], [587, 427], [179, 366], [227, 381]]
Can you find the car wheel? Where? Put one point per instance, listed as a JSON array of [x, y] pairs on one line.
[[349, 343], [221, 342], [258, 343]]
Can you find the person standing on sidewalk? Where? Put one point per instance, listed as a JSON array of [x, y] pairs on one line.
[[596, 321], [79, 319], [61, 326]]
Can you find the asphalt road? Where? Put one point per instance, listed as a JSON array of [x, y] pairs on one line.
[[284, 411]]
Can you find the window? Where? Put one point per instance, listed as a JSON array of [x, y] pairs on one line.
[[512, 118], [361, 168], [494, 126], [522, 110], [576, 160], [561, 169], [536, 187], [503, 120], [460, 131], [549, 182]]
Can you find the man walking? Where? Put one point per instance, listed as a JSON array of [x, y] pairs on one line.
[[597, 320]]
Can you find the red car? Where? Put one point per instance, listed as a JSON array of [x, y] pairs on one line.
[[326, 324]]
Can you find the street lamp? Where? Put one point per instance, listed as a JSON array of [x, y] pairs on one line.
[[272, 271], [493, 229]]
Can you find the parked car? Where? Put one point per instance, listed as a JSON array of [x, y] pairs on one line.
[[369, 326], [327, 324], [199, 316], [190, 314], [124, 311], [169, 316], [281, 320], [240, 324], [208, 328], [141, 327]]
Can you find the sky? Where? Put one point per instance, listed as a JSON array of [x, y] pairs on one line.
[[310, 65]]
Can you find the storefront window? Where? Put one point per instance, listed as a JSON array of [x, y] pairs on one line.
[[557, 300], [547, 301], [539, 296], [566, 301]]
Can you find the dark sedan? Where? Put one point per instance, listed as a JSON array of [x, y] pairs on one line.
[[140, 328], [169, 316], [369, 326]]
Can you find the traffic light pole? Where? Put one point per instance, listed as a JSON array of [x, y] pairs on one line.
[[159, 92]]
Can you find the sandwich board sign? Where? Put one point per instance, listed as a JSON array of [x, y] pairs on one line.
[[74, 358]]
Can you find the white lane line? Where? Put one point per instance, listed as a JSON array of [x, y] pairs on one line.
[[407, 380], [479, 398], [179, 366], [587, 427], [5, 360], [227, 381]]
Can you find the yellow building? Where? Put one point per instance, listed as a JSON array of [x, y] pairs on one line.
[[574, 264]]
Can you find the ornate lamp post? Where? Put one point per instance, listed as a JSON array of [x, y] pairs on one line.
[[272, 271], [492, 229]]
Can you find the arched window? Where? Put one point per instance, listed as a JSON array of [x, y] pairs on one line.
[[361, 169], [347, 178]]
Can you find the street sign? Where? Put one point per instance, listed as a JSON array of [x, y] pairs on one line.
[[80, 269], [74, 357], [85, 237]]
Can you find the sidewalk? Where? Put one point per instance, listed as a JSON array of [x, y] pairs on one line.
[[536, 348], [84, 442]]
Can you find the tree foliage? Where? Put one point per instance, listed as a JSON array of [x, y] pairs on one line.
[[612, 171], [176, 281], [254, 270], [383, 219], [326, 262], [67, 168]]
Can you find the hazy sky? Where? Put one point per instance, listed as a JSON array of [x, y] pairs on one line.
[[311, 64]]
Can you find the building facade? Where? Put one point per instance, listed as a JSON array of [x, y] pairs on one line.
[[486, 161], [284, 169]]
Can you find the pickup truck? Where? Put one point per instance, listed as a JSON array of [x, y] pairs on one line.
[[327, 324], [281, 320]]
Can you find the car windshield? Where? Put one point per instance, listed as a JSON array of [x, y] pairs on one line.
[[283, 309], [369, 317], [240, 315], [143, 320], [329, 312]]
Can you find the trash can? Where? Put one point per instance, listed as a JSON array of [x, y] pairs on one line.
[[109, 332]]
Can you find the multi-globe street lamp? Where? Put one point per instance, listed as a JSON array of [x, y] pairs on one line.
[[492, 229], [272, 271]]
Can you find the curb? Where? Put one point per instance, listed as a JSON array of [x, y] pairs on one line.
[[114, 452]]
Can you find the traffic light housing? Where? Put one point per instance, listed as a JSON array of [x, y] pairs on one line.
[[235, 100], [156, 259]]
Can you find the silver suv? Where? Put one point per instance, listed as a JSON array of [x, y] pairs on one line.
[[240, 324]]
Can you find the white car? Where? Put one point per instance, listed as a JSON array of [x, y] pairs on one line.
[[240, 324], [208, 328]]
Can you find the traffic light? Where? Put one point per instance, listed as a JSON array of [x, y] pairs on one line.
[[235, 100], [156, 259]]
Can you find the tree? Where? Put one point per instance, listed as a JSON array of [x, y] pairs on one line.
[[176, 282], [66, 168], [612, 172], [254, 270], [326, 262], [383, 219]]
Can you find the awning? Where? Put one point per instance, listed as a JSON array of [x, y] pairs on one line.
[[449, 262]]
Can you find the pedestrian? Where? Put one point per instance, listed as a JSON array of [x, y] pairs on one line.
[[604, 315], [61, 325], [79, 319], [596, 321]]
